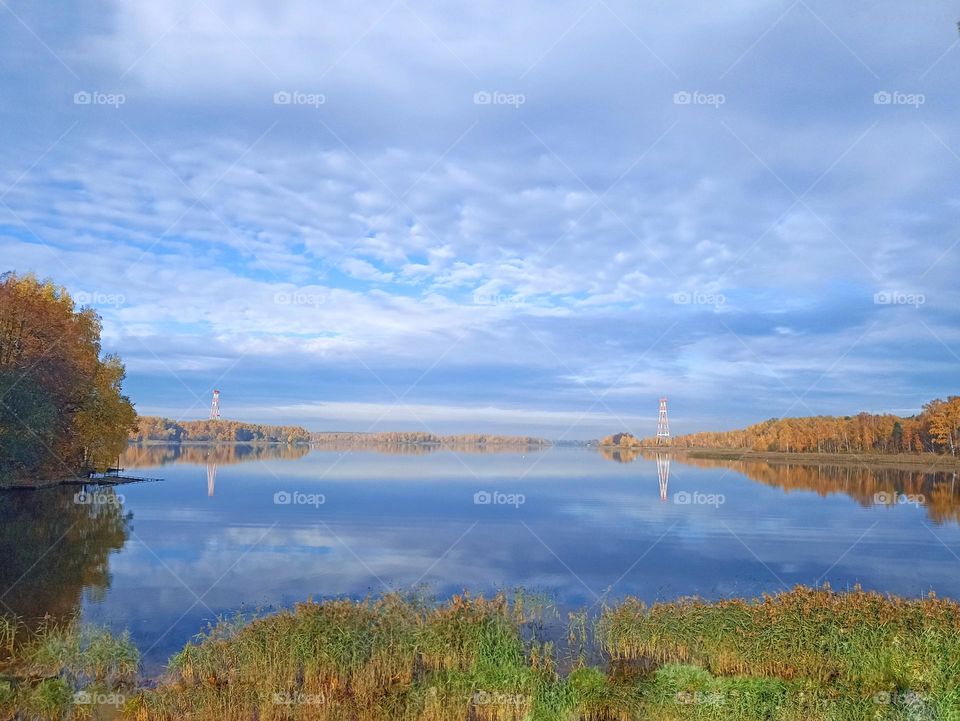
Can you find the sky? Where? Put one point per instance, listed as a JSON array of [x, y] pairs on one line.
[[537, 217]]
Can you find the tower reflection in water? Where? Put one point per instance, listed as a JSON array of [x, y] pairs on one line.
[[663, 474]]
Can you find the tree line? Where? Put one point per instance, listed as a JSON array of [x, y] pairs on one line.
[[165, 430], [936, 429], [421, 438], [62, 408], [623, 440]]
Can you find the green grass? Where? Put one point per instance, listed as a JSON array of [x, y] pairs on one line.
[[805, 655], [42, 670], [858, 642]]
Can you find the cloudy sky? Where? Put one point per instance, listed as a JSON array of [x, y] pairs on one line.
[[464, 216]]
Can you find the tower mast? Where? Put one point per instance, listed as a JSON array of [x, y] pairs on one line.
[[663, 425]]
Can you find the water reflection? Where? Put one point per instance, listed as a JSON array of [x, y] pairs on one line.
[[937, 491], [160, 454], [620, 455], [587, 527], [663, 474], [55, 544]]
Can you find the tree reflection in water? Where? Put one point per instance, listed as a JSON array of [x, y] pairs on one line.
[[159, 454], [937, 491], [55, 546]]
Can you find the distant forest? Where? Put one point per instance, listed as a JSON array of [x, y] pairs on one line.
[[405, 438], [935, 430], [165, 430], [152, 428]]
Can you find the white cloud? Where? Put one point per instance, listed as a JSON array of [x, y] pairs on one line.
[[244, 232]]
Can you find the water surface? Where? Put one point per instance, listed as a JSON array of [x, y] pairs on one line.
[[236, 528]]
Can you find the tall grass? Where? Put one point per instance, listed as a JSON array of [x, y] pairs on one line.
[[8, 632], [385, 658], [809, 654], [806, 654], [42, 670], [859, 641]]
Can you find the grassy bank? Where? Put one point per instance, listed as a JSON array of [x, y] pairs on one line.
[[806, 654], [62, 671]]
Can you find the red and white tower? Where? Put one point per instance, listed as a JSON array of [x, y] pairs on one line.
[[215, 407], [663, 425]]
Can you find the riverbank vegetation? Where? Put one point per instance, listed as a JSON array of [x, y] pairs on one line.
[[807, 654], [63, 411], [935, 430], [420, 438], [63, 671], [623, 440], [165, 430]]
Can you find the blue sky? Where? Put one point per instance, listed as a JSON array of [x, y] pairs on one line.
[[455, 217]]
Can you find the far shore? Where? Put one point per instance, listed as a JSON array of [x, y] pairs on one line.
[[929, 461]]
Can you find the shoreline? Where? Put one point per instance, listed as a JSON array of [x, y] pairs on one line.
[[75, 481], [929, 460]]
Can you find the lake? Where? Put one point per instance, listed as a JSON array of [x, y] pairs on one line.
[[239, 528]]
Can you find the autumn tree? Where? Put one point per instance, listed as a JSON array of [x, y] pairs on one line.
[[62, 410], [935, 429], [944, 423]]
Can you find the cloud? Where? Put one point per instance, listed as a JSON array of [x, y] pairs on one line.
[[393, 215]]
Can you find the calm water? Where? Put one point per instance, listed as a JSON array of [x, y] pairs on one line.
[[239, 528]]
